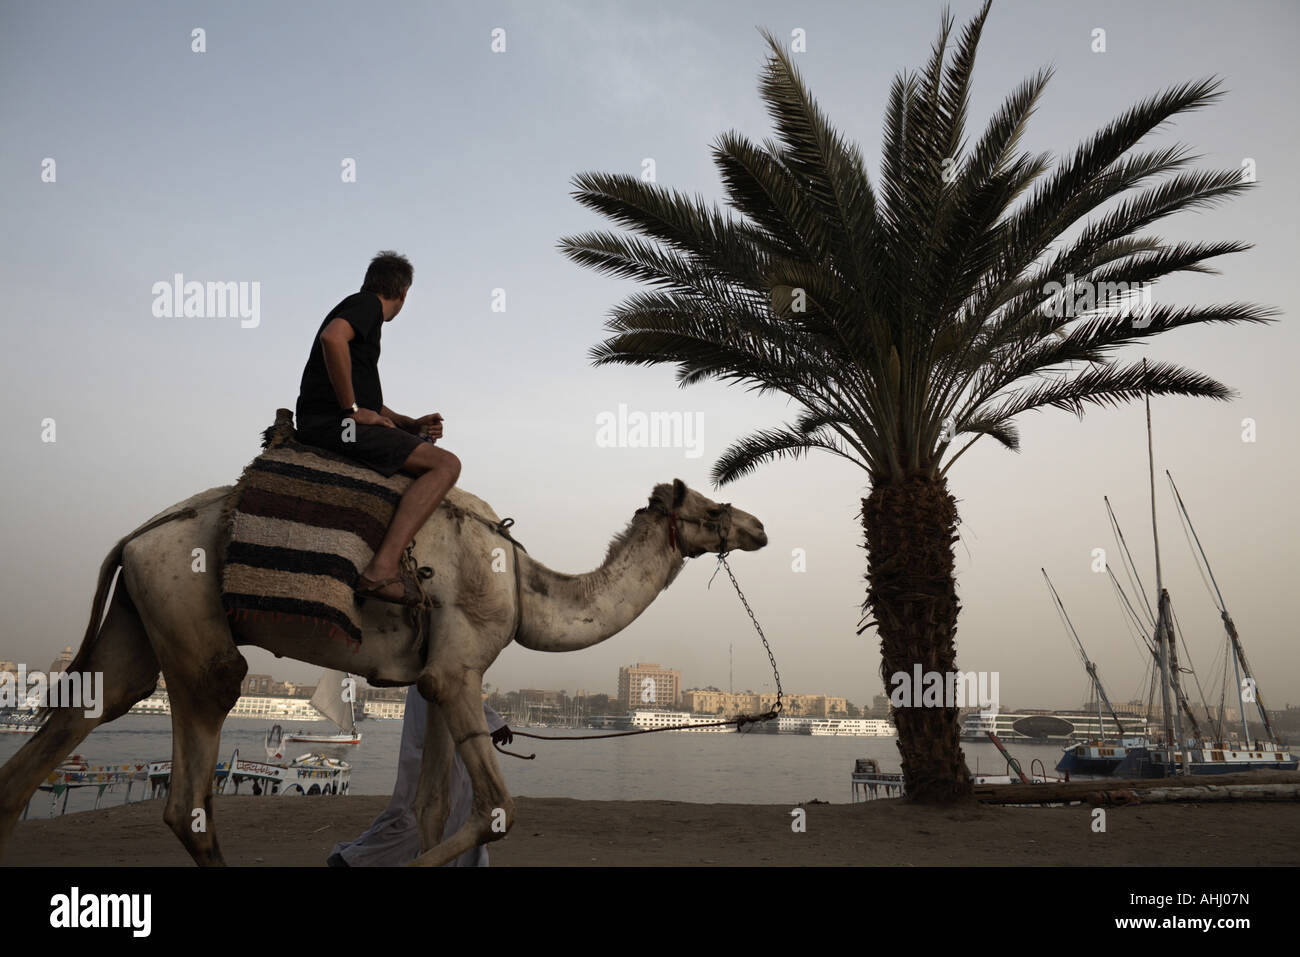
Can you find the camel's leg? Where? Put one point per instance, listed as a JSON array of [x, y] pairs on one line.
[[433, 797], [198, 711], [204, 670], [459, 692], [120, 653], [433, 790]]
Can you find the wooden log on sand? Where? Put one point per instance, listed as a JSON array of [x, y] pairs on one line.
[[1126, 791], [1237, 792]]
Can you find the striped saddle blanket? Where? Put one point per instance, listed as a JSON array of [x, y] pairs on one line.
[[302, 524]]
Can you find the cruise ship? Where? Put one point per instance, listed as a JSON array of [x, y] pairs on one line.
[[838, 727], [781, 724], [668, 719], [1054, 726], [852, 727], [248, 706]]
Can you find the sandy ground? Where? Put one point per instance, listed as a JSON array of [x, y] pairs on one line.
[[299, 832]]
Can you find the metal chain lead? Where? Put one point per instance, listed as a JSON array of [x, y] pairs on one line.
[[739, 721], [722, 560]]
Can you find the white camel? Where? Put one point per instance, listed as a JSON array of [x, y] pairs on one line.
[[164, 616]]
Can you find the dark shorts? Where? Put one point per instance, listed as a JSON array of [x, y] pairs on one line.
[[383, 449]]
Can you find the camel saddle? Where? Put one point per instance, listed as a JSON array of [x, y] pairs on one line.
[[302, 524]]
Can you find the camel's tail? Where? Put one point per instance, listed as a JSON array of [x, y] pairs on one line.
[[104, 586]]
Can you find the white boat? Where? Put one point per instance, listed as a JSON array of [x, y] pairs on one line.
[[19, 724], [25, 719], [334, 698], [1066, 727], [76, 773], [309, 774], [670, 719], [852, 727]]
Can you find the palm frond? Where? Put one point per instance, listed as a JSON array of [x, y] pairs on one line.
[[788, 442], [901, 315]]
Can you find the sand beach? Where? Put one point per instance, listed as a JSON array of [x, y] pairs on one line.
[[299, 832]]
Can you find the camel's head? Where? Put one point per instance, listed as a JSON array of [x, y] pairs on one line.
[[697, 524]]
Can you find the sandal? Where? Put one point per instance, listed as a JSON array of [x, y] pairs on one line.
[[369, 588]]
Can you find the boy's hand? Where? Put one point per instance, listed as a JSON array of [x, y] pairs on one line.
[[429, 425], [370, 417]]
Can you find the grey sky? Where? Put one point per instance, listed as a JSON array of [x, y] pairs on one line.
[[225, 166]]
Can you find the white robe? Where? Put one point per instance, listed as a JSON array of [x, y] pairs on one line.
[[393, 839]]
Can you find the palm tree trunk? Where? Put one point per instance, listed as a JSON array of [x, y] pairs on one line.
[[910, 531]]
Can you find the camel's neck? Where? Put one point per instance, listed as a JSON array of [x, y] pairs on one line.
[[567, 612]]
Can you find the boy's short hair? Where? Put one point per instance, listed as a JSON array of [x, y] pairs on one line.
[[389, 275]]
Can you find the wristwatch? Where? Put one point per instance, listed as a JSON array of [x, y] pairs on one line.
[[352, 408]]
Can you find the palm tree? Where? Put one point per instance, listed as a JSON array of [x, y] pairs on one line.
[[910, 319]]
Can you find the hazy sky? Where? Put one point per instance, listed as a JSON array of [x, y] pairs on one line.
[[225, 166]]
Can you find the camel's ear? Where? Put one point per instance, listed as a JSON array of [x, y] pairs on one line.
[[679, 493]]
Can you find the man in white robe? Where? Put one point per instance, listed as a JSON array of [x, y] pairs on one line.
[[393, 839]]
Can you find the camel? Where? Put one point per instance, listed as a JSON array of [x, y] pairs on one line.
[[164, 616]]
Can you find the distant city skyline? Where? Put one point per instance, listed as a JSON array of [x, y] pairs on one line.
[[865, 703]]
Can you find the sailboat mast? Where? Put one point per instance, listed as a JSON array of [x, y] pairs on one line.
[[1241, 705], [1234, 640], [1088, 666], [1164, 631]]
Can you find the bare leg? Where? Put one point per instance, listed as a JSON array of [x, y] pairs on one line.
[[438, 471]]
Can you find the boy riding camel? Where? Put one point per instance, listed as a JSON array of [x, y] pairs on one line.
[[341, 408]]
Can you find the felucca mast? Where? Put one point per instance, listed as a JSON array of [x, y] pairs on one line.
[[1164, 626], [1131, 569], [1088, 666], [1239, 653]]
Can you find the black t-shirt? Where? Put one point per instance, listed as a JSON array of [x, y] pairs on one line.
[[318, 405]]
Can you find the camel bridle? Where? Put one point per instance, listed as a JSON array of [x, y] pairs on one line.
[[722, 525]]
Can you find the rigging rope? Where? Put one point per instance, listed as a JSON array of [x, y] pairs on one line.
[[1133, 615], [1190, 669], [1130, 568]]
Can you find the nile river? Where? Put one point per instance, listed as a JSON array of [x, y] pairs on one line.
[[696, 767]]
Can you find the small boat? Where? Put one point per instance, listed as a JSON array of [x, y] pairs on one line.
[[19, 726], [335, 699], [1102, 755], [309, 774], [76, 773], [24, 720]]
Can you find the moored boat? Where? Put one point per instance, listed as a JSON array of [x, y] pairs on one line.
[[1172, 752], [335, 699], [1099, 758], [1202, 758], [76, 773], [26, 719], [308, 774]]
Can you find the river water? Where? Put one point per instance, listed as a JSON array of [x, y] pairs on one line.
[[695, 767]]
